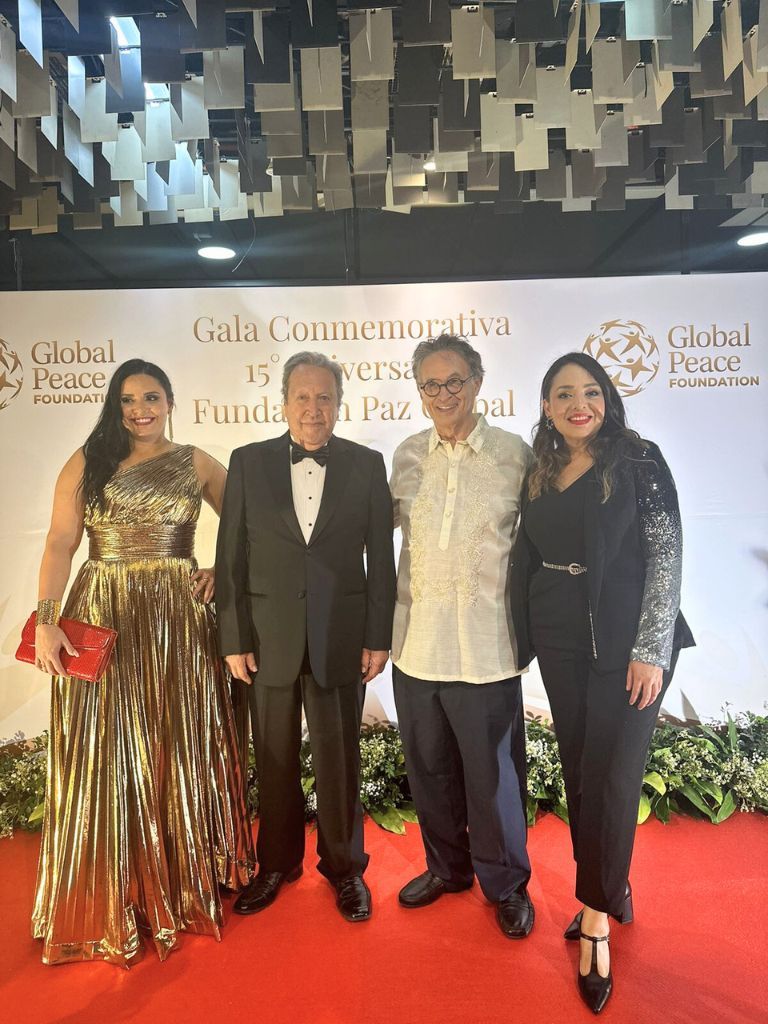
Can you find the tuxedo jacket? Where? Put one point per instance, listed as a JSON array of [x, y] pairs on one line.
[[277, 595], [633, 552]]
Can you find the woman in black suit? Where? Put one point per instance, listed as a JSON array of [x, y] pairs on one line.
[[595, 596]]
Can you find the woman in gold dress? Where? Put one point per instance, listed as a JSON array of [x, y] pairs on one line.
[[145, 812]]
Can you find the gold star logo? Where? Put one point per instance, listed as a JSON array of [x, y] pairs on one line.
[[11, 377], [637, 367], [634, 341], [605, 348], [615, 347]]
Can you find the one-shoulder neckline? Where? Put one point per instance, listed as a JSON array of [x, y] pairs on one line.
[[153, 458]]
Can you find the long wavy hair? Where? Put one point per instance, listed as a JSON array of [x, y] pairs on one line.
[[109, 442], [613, 443]]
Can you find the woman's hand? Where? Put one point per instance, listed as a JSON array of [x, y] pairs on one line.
[[49, 641], [643, 682], [203, 584]]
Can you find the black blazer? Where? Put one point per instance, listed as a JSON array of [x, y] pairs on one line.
[[633, 546], [277, 595]]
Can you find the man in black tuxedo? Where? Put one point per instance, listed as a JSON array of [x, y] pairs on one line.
[[305, 618]]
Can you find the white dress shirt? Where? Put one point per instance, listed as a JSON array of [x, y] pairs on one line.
[[458, 509], [307, 482]]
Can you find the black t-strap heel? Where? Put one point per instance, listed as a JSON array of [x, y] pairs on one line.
[[594, 988], [571, 933]]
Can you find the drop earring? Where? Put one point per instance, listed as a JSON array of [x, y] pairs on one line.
[[170, 424]]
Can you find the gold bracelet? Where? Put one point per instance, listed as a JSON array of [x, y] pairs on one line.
[[48, 612]]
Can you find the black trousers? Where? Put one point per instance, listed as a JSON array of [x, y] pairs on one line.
[[465, 755], [603, 742], [333, 718]]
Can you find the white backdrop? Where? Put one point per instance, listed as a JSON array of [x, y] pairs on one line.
[[693, 349]]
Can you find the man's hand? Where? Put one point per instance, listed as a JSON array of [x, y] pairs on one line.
[[644, 682], [240, 665], [372, 663]]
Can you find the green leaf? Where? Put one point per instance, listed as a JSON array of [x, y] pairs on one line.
[[674, 805], [644, 809], [307, 784], [561, 810], [389, 819], [718, 740], [37, 814], [727, 807], [733, 736], [655, 781], [710, 789], [661, 809], [690, 794], [408, 814]]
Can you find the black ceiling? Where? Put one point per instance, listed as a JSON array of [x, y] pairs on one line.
[[359, 247]]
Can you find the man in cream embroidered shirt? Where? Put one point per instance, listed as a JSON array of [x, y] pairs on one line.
[[457, 508], [456, 497]]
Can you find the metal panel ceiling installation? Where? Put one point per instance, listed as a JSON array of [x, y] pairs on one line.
[[137, 114]]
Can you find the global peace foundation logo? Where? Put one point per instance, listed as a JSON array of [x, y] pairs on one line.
[[11, 374], [627, 352]]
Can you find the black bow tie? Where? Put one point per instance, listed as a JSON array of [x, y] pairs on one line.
[[320, 455]]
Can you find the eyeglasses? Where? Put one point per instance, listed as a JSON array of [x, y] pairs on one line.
[[432, 389]]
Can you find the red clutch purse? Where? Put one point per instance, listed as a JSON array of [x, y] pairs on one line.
[[93, 644]]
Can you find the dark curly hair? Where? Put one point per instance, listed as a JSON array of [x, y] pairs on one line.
[[109, 442], [613, 443]]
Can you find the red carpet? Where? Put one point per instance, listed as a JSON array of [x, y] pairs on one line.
[[696, 953]]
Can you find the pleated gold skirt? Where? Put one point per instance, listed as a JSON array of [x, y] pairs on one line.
[[145, 813]]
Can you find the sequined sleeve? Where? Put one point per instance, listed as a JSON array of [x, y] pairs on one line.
[[662, 540]]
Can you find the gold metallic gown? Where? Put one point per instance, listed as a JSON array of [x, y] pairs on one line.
[[145, 810]]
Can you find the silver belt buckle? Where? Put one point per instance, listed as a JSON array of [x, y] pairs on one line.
[[574, 569]]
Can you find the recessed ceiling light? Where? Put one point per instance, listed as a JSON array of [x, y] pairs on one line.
[[430, 165], [216, 252], [756, 238]]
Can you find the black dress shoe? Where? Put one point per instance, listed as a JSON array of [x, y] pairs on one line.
[[594, 988], [627, 916], [353, 898], [515, 915], [263, 890], [426, 888]]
